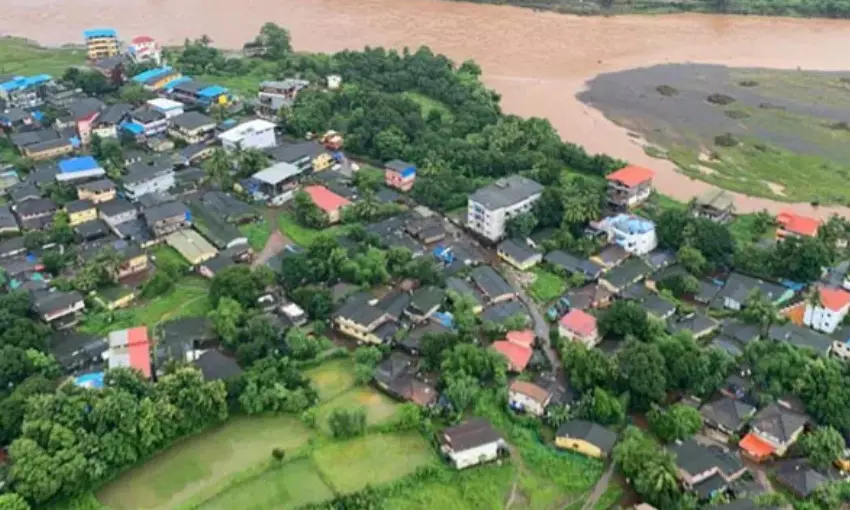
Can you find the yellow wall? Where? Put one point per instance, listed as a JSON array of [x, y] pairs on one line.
[[134, 265], [322, 162], [82, 216], [163, 80], [48, 154], [96, 197], [580, 446], [511, 261], [118, 303], [355, 330]]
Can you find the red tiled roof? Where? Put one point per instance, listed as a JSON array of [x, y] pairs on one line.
[[834, 299], [801, 225], [632, 175], [138, 347], [517, 355], [142, 39], [756, 446], [579, 321], [524, 337], [325, 199]]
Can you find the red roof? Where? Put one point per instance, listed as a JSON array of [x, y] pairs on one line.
[[142, 39], [325, 199], [524, 338], [800, 225], [834, 299], [518, 356], [756, 446], [138, 347], [632, 175], [579, 321]]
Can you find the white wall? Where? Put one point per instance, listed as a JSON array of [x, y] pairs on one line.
[[529, 404], [473, 456], [823, 319], [491, 223], [163, 182]]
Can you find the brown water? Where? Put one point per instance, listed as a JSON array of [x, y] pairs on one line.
[[537, 61]]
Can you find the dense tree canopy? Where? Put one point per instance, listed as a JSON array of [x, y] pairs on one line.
[[274, 385]]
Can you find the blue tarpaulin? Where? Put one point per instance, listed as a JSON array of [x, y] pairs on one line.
[[212, 91], [93, 380], [100, 32], [80, 164], [151, 73]]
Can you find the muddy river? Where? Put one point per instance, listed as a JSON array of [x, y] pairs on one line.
[[537, 61]]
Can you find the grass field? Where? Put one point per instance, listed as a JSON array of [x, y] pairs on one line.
[[22, 57], [202, 463], [304, 236], [379, 407], [332, 378], [257, 234], [547, 286], [426, 103]]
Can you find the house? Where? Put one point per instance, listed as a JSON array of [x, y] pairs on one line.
[[363, 322], [254, 134], [142, 179], [112, 68], [491, 207], [215, 366], [130, 348], [83, 167], [8, 222], [213, 225], [611, 256], [502, 312], [56, 308], [635, 234], [133, 260], [726, 417], [799, 477], [801, 337], [8, 179], [396, 375], [587, 438], [275, 184], [166, 218], [306, 155], [792, 224], [144, 48], [399, 174], [697, 323], [656, 306], [167, 107], [77, 352], [772, 431], [739, 287], [830, 310], [528, 397], [192, 127], [463, 288], [491, 284], [147, 121], [106, 124], [274, 95], [715, 204], [424, 303], [48, 149], [623, 276], [36, 214], [734, 335], [80, 211], [518, 254], [191, 246], [117, 211], [328, 201], [197, 92], [15, 118], [589, 296], [24, 91], [425, 229], [115, 297], [517, 354], [706, 470], [572, 264], [83, 114], [101, 43], [629, 186], [99, 191], [471, 443], [579, 326]]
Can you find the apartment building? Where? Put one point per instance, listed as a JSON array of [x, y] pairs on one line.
[[490, 208], [629, 186], [101, 43]]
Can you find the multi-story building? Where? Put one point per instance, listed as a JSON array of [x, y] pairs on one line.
[[102, 190], [166, 218], [399, 174], [829, 309], [579, 326], [364, 322], [274, 95], [629, 186], [144, 49], [58, 308], [106, 124], [490, 208], [157, 79], [84, 115], [200, 93], [80, 211], [167, 107], [48, 149], [79, 168], [635, 234], [192, 127], [101, 43], [142, 179], [24, 91], [772, 431], [254, 134], [146, 121]]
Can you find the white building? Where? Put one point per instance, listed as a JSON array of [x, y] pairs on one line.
[[142, 179], [490, 208], [831, 310], [256, 134], [470, 443], [144, 49], [147, 121], [528, 397], [334, 81], [167, 107], [635, 234]]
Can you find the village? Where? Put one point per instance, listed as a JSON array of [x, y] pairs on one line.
[[177, 222]]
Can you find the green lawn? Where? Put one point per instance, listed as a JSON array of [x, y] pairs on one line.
[[22, 57], [547, 286], [426, 103], [379, 407], [166, 256], [304, 236], [246, 84], [257, 234], [333, 378], [202, 463], [482, 488]]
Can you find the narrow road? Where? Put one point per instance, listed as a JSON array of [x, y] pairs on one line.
[[599, 489], [276, 242], [541, 327]]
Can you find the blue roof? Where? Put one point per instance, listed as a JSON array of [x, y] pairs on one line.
[[136, 129], [631, 224], [100, 32], [83, 163], [176, 81], [22, 82], [212, 91], [408, 172], [151, 73], [93, 380]]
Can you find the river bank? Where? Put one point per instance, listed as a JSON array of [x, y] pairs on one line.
[[538, 62]]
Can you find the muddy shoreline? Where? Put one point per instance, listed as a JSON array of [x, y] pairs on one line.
[[537, 61]]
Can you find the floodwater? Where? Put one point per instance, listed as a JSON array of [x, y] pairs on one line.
[[536, 61]]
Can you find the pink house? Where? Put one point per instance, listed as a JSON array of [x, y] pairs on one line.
[[579, 326], [400, 174]]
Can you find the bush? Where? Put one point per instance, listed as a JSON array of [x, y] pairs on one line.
[[667, 90], [278, 454], [721, 99], [726, 140], [347, 423]]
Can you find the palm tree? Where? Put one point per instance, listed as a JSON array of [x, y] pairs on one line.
[[219, 166], [252, 161]]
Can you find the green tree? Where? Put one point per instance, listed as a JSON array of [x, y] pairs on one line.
[[823, 446], [134, 93], [758, 309], [240, 283], [587, 368], [346, 423], [677, 422], [366, 358], [601, 407], [227, 318], [625, 318], [521, 226], [219, 167], [307, 213], [642, 373], [462, 392], [301, 346], [276, 41], [275, 385], [12, 501], [485, 365], [252, 161], [691, 259]]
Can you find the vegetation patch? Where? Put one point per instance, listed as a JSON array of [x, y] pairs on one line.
[[736, 114], [304, 236], [667, 90], [24, 58], [379, 408], [725, 140], [720, 99], [547, 286], [257, 233], [332, 378], [427, 104], [748, 83]]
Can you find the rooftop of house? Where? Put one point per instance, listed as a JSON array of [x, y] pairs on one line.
[[165, 211], [397, 165], [738, 287], [325, 199], [192, 120], [48, 302], [490, 282], [517, 250], [584, 297], [697, 323], [236, 134], [800, 336], [530, 390], [779, 422], [114, 114], [627, 273], [612, 254], [215, 366], [359, 311], [92, 229], [799, 476], [7, 219], [716, 198], [147, 115], [627, 224], [469, 434], [463, 288], [517, 355], [27, 138], [78, 164], [694, 458], [728, 412], [78, 206], [85, 107], [523, 337], [69, 346], [501, 312], [658, 306], [426, 298], [35, 206], [396, 365], [99, 185], [115, 207], [833, 298], [277, 173], [579, 321], [798, 224], [292, 152], [593, 433], [631, 175], [506, 192]]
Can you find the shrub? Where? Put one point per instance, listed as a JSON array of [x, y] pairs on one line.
[[347, 423], [721, 99], [726, 140], [667, 90], [278, 454]]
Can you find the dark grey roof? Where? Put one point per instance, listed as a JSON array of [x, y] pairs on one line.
[[297, 151], [191, 174], [738, 287], [78, 206], [388, 196], [506, 192], [800, 336], [115, 207], [740, 331], [360, 311], [694, 458], [583, 297], [707, 291], [140, 172], [56, 300], [517, 250], [659, 259], [74, 350], [12, 246], [731, 347], [215, 366], [636, 291], [697, 323], [145, 115], [191, 86], [414, 337], [192, 120], [800, 477], [98, 185], [612, 254], [228, 206], [85, 107], [779, 422], [396, 365], [386, 331], [394, 303], [22, 192], [469, 434], [192, 329], [92, 229], [593, 433], [14, 115], [27, 138], [463, 288], [7, 219], [48, 145], [631, 271], [164, 211], [709, 486], [728, 412], [35, 206], [658, 306], [426, 298], [503, 311], [490, 282], [110, 63], [114, 114], [397, 165]]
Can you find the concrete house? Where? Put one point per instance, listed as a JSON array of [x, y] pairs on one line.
[[491, 284], [254, 134], [142, 179], [518, 254], [772, 431], [792, 224], [99, 191], [716, 205], [84, 113], [364, 322], [192, 127], [635, 234], [80, 211], [726, 416], [329, 202], [106, 124], [58, 308], [706, 470], [739, 287], [579, 326], [528, 397], [48, 149], [191, 246], [587, 438], [8, 222], [629, 186], [117, 211], [490, 208], [147, 121], [36, 214], [80, 168], [399, 174], [424, 303], [572, 264], [167, 107], [471, 443], [830, 310], [307, 155], [166, 218]]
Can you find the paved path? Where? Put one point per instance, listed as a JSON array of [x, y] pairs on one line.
[[600, 488]]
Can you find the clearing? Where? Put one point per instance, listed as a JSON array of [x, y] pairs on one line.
[[257, 233], [332, 378], [25, 58], [379, 407], [427, 104], [304, 236], [547, 286]]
